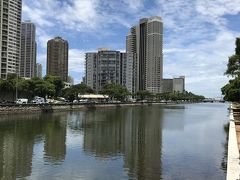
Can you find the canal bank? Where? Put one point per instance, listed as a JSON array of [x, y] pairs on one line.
[[233, 163], [49, 108]]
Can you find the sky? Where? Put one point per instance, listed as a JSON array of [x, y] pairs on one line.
[[199, 35]]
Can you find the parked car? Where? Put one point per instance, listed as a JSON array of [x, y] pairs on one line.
[[21, 101], [50, 101], [75, 101], [83, 101], [33, 102], [39, 100]]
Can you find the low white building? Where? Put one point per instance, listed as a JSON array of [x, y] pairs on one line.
[[93, 96]]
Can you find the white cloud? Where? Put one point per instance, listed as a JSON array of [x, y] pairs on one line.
[[218, 8], [80, 14], [77, 60], [136, 5], [37, 15]]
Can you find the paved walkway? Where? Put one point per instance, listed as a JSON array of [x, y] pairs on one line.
[[233, 166]]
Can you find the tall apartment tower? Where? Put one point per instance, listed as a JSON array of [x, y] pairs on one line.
[[146, 41], [108, 66], [103, 67], [10, 33], [39, 70], [28, 50], [57, 58]]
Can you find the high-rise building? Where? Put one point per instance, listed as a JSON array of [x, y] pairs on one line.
[[145, 40], [127, 71], [174, 85], [28, 50], [39, 70], [167, 85], [179, 84], [57, 58], [10, 33], [107, 66], [103, 67]]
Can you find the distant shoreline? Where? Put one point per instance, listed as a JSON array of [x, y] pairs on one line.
[[50, 108]]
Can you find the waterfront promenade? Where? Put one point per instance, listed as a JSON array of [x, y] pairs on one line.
[[233, 165]]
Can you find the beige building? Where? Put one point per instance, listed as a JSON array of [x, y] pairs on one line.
[[57, 58], [28, 50], [10, 29], [167, 85], [179, 84], [174, 85], [145, 40]]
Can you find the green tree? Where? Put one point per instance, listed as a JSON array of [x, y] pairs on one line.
[[233, 67], [72, 92], [175, 96], [115, 91], [44, 88], [142, 95], [57, 82], [231, 91], [8, 87], [83, 89]]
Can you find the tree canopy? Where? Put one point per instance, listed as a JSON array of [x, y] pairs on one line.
[[233, 66], [142, 95], [57, 82], [231, 91], [28, 88], [72, 92], [174, 96], [115, 91]]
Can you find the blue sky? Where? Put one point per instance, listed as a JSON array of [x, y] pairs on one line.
[[199, 35]]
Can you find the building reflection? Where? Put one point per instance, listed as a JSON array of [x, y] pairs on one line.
[[134, 132], [173, 118], [55, 139], [16, 149], [18, 134]]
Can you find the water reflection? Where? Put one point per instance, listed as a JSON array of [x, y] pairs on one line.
[[145, 142], [225, 145], [133, 132], [174, 118], [17, 139], [55, 139]]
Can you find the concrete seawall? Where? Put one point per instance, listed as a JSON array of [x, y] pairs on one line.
[[233, 166], [27, 108]]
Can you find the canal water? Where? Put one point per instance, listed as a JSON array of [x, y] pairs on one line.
[[142, 142]]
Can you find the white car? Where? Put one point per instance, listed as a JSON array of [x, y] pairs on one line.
[[21, 101]]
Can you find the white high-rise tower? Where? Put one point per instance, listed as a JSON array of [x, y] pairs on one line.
[[10, 29]]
